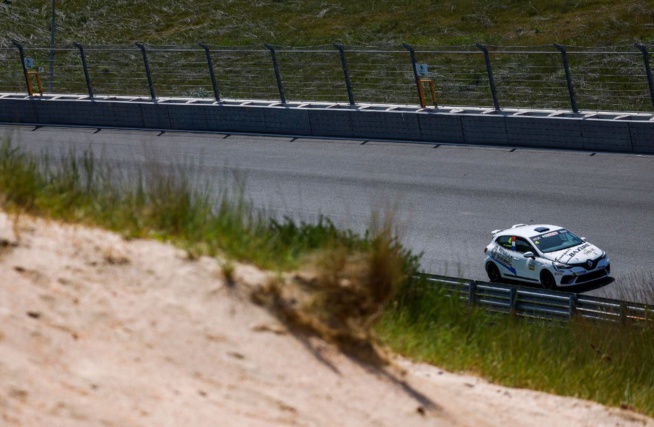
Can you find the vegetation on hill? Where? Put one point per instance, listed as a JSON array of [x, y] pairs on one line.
[[349, 289], [602, 361], [316, 22]]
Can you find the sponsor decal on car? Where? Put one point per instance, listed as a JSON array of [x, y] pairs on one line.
[[578, 249], [504, 258], [589, 251]]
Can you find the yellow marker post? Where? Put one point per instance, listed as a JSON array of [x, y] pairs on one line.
[[422, 82], [30, 89]]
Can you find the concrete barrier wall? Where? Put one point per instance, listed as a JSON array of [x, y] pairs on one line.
[[596, 132]]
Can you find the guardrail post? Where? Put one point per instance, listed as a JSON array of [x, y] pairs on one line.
[[278, 76], [21, 52], [412, 52], [86, 69], [472, 293], [568, 77], [572, 307], [214, 85], [648, 69], [514, 302], [146, 64], [623, 313], [491, 79], [346, 73]]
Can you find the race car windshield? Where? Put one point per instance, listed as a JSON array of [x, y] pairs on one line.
[[556, 241]]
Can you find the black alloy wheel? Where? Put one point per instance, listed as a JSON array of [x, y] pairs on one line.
[[547, 280], [493, 272]]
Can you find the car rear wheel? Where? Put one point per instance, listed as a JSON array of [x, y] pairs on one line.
[[547, 280], [493, 272]]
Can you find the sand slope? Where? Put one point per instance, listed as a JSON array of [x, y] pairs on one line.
[[99, 331]]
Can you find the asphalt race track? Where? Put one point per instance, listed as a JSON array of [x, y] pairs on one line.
[[446, 199]]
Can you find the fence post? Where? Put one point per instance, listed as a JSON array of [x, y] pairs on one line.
[[52, 46], [214, 85], [412, 52], [648, 69], [346, 73], [278, 76], [472, 293], [146, 64], [86, 69], [491, 79], [22, 63], [568, 77]]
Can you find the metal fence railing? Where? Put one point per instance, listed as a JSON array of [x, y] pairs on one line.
[[540, 303], [542, 77]]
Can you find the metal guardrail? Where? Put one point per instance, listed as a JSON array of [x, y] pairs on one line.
[[540, 303]]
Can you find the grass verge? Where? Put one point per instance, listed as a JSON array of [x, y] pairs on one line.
[[162, 203], [314, 22], [606, 363]]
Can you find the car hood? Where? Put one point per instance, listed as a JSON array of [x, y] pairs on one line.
[[576, 254]]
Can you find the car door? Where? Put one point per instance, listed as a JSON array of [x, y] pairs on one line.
[[504, 255], [525, 266]]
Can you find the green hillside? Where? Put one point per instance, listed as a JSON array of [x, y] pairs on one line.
[[316, 22]]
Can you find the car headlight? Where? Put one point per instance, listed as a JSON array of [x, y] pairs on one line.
[[560, 266]]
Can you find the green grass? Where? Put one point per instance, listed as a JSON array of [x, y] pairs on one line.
[[316, 22], [607, 363], [163, 204]]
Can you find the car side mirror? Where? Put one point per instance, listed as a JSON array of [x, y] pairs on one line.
[[529, 255], [583, 238]]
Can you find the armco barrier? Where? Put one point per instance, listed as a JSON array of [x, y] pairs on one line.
[[627, 133], [540, 303]]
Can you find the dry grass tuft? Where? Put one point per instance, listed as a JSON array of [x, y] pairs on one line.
[[228, 270], [342, 295]]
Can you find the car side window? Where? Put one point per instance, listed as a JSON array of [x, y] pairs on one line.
[[522, 246], [505, 242]]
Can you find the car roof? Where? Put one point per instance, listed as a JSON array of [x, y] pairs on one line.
[[527, 231]]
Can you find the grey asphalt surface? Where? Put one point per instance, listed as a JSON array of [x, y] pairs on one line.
[[446, 199]]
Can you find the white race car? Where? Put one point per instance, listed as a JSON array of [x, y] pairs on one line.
[[544, 254]]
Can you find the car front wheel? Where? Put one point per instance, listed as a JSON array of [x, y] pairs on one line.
[[547, 280], [493, 272]]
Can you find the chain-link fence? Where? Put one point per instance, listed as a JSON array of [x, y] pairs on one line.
[[544, 77]]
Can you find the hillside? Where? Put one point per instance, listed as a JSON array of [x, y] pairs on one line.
[[99, 331], [316, 22]]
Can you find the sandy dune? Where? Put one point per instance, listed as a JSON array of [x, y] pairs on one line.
[[99, 331]]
